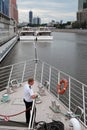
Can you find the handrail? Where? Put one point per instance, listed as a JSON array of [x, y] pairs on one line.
[[32, 117]]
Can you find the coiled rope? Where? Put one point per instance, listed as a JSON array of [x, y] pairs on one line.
[[7, 117]]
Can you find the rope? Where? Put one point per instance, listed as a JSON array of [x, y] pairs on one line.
[[66, 114], [7, 117]]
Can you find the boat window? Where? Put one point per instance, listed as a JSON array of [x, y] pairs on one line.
[[27, 34], [44, 33]]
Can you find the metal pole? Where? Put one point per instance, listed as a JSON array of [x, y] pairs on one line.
[[58, 82], [23, 71], [49, 77], [42, 73], [83, 91], [36, 56], [10, 76], [69, 93], [36, 59]]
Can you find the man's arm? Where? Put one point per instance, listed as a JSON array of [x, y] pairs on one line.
[[34, 96]]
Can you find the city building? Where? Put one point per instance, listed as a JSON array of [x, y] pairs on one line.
[[36, 20], [30, 17], [9, 8], [1, 6], [82, 4], [4, 7], [13, 11], [82, 11]]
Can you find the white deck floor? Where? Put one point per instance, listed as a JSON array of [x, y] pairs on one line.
[[44, 113]]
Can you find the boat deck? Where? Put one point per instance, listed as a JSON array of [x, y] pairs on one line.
[[44, 113]]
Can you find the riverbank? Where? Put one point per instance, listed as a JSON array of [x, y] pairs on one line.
[[71, 30]]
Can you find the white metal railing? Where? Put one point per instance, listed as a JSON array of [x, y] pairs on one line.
[[76, 94], [32, 117]]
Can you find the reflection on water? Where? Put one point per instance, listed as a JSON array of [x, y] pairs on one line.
[[67, 52]]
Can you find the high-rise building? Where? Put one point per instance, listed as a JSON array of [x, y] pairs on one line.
[[82, 11], [1, 6], [82, 4], [13, 11], [4, 7], [30, 17], [85, 4], [9, 8], [36, 20]]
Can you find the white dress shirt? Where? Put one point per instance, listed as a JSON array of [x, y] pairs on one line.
[[28, 92]]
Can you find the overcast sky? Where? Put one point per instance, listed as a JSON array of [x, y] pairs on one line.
[[48, 10]]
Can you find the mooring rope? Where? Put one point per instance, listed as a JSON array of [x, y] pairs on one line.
[[7, 117]]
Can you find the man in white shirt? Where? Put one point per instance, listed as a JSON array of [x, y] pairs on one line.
[[28, 98]]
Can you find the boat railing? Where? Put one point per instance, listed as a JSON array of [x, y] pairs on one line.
[[74, 98], [32, 117]]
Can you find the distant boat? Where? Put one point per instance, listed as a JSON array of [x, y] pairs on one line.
[[44, 33], [27, 34], [40, 34]]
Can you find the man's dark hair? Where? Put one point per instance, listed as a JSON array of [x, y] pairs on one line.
[[30, 80]]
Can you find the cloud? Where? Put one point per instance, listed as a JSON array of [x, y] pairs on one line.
[[48, 10]]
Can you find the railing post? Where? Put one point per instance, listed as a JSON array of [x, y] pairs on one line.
[[84, 103], [23, 71], [31, 115], [35, 70], [58, 82], [42, 72], [10, 76], [69, 93], [58, 77], [49, 78]]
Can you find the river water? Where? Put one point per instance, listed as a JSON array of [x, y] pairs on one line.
[[67, 52]]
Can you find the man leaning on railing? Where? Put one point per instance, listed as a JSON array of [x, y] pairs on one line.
[[28, 98]]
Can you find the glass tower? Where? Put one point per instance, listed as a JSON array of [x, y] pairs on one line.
[[1, 6], [30, 17], [82, 4], [82, 11], [4, 7]]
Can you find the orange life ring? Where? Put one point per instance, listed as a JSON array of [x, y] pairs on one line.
[[62, 91]]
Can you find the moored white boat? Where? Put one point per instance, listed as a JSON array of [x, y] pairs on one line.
[[44, 33], [40, 34], [27, 34]]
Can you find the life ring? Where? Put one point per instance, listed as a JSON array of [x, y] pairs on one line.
[[62, 91]]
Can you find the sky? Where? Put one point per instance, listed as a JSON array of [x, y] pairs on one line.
[[48, 10]]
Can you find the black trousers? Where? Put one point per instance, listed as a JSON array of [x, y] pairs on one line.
[[27, 113]]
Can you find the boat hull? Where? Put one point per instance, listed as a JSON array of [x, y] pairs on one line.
[[44, 38], [27, 38], [32, 38]]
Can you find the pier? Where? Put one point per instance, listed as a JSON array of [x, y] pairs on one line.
[[4, 49], [8, 35]]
